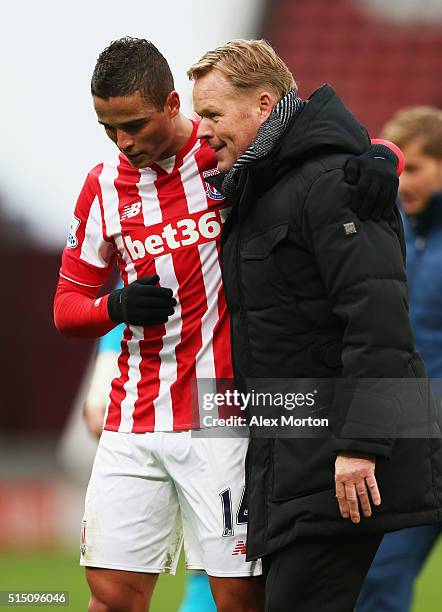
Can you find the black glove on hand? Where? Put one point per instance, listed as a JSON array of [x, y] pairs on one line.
[[374, 177], [141, 303]]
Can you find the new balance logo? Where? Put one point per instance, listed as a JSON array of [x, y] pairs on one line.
[[130, 210], [240, 549]]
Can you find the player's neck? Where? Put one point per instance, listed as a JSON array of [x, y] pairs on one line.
[[183, 131]]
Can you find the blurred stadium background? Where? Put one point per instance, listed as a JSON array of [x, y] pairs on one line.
[[379, 56]]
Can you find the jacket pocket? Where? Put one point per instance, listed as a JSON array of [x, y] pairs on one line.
[[263, 282], [259, 246], [302, 467]]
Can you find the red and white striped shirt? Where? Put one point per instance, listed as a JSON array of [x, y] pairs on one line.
[[164, 219]]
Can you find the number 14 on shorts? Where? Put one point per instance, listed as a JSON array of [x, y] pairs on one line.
[[241, 514]]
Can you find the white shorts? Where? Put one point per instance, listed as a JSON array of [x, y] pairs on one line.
[[147, 489]]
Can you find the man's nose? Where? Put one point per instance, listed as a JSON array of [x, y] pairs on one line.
[[205, 130], [124, 140]]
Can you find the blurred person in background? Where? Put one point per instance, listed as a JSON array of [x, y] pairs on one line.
[[198, 596], [105, 369], [388, 586], [152, 210], [314, 293]]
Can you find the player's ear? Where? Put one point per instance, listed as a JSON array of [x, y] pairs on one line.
[[172, 104]]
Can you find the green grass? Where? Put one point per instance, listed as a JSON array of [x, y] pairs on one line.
[[428, 592], [60, 571], [53, 571]]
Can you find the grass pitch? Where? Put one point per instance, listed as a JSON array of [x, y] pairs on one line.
[[59, 570]]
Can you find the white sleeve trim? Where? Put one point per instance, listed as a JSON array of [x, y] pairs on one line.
[[95, 250], [76, 282]]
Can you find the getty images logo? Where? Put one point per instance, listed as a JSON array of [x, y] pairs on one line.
[[160, 239]]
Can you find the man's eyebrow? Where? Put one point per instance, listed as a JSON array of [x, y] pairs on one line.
[[208, 110], [126, 123]]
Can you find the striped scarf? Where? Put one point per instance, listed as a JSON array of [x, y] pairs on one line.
[[268, 135]]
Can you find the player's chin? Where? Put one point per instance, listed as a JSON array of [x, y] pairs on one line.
[[412, 206], [139, 161]]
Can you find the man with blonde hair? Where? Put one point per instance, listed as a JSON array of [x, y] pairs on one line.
[[317, 298], [151, 209], [418, 131]]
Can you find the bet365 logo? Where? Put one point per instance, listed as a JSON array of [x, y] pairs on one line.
[[161, 239]]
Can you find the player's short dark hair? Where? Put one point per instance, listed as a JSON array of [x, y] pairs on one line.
[[128, 65]]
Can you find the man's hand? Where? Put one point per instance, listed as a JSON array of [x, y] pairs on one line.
[[355, 484], [142, 302], [374, 179]]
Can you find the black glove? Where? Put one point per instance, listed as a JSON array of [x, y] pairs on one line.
[[375, 182], [141, 303]]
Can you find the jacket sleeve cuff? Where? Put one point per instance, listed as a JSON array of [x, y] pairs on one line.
[[371, 423], [378, 447]]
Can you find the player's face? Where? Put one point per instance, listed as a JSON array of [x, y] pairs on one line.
[[420, 179], [229, 119], [142, 133]]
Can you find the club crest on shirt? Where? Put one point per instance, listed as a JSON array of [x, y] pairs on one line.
[[72, 240], [211, 192]]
